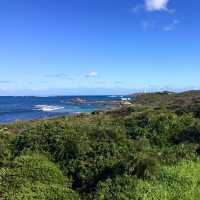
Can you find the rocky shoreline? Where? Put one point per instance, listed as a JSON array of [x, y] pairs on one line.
[[118, 103]]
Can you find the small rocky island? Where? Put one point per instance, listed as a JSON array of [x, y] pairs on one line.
[[77, 100]]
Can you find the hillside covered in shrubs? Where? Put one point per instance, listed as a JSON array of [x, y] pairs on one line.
[[147, 151]]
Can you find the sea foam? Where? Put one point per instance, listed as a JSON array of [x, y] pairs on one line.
[[47, 108]]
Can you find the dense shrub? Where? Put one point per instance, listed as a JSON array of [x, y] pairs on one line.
[[5, 147], [190, 133], [136, 153], [173, 154], [37, 168], [35, 177], [119, 188], [40, 191], [158, 126], [180, 182]]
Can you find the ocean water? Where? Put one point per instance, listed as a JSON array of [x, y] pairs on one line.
[[30, 108]]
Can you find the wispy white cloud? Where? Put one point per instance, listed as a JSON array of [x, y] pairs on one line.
[[171, 26], [6, 81], [61, 75], [153, 5], [147, 24], [156, 5], [137, 8], [91, 74]]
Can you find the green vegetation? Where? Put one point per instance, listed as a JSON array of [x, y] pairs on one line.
[[179, 103], [147, 151]]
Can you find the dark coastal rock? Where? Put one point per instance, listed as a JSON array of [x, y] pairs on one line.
[[77, 100]]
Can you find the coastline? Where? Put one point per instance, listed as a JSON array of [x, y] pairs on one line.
[[14, 109]]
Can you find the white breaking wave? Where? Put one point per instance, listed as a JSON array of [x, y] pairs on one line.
[[125, 99], [47, 108], [112, 96]]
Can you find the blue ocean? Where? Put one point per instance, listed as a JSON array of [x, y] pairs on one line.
[[30, 108]]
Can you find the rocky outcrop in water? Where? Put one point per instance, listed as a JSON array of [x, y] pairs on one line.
[[77, 100]]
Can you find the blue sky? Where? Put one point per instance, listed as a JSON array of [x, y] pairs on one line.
[[51, 47]]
